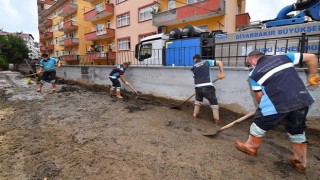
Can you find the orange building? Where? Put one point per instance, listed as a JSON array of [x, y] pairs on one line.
[[101, 31]]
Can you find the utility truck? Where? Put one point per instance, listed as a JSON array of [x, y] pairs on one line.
[[299, 33]]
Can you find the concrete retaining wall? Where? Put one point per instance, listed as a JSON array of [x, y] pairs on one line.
[[233, 91]]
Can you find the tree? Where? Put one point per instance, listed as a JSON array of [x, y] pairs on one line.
[[13, 48]]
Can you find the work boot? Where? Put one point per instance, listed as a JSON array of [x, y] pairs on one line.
[[196, 110], [54, 87], [119, 95], [299, 157], [216, 117], [251, 146], [112, 92], [39, 87]]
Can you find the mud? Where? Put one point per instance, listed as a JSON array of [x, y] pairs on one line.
[[81, 132]]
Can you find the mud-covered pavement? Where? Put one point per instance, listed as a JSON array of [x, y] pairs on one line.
[[78, 133]]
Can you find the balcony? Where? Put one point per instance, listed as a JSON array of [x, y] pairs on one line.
[[190, 12], [45, 24], [242, 20], [68, 10], [46, 35], [101, 55], [47, 48], [89, 0], [67, 26], [73, 57], [100, 34], [69, 42], [99, 13]]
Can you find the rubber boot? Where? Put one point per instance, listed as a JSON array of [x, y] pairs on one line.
[[251, 146], [54, 88], [196, 110], [215, 113], [112, 92], [39, 87], [299, 157], [119, 95]]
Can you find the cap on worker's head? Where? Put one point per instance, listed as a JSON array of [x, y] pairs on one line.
[[256, 53], [197, 56], [44, 55]]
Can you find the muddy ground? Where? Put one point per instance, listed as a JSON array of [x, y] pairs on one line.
[[81, 133]]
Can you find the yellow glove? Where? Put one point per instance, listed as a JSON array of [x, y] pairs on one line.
[[314, 80], [221, 76]]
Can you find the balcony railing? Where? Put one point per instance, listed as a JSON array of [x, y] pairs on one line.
[[44, 24], [68, 10], [47, 48], [190, 12], [100, 34], [69, 42], [67, 26], [46, 35], [97, 14], [101, 55], [72, 57]]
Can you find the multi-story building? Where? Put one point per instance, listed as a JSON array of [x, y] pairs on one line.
[[29, 41], [101, 31]]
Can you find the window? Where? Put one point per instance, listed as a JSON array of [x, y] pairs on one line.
[[193, 1], [100, 29], [56, 40], [55, 27], [120, 1], [171, 4], [99, 7], [63, 52], [108, 24], [71, 1], [56, 54], [145, 13], [124, 44], [123, 20]]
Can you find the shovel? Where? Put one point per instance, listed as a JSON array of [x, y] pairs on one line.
[[212, 134], [133, 89], [179, 106]]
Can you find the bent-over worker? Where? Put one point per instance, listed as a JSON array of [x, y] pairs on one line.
[[114, 76], [203, 85], [281, 96]]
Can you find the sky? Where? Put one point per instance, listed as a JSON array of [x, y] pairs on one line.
[[22, 15]]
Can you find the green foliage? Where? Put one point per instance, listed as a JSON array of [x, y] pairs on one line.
[[4, 63], [13, 48]]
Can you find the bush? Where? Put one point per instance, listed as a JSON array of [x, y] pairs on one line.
[[4, 63]]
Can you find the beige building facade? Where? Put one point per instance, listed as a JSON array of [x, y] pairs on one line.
[[101, 31]]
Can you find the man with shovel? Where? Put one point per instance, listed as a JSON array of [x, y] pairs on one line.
[[282, 96], [203, 85], [48, 68], [114, 76]]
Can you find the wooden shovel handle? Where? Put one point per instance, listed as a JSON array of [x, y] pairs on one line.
[[237, 121]]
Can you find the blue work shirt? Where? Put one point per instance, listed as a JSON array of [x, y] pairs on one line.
[[49, 65], [283, 90], [201, 72]]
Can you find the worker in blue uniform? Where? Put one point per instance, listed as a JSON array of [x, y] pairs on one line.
[[114, 76], [48, 68], [282, 96], [203, 85]]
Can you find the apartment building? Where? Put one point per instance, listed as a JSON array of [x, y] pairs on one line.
[[28, 40], [103, 31]]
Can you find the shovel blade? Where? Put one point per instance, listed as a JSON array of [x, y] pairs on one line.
[[210, 134]]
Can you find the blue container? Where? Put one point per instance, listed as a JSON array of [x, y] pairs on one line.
[[180, 52]]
